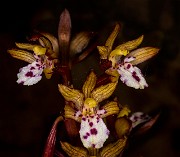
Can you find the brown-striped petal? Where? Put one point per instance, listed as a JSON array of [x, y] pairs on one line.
[[89, 84], [103, 92], [110, 108], [142, 54], [73, 151], [22, 55], [130, 45], [114, 149], [72, 95]]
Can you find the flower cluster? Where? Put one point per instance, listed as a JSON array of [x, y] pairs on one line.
[[85, 106], [93, 131]]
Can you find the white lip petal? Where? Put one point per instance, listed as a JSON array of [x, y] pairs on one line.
[[138, 118], [30, 74], [131, 76], [93, 131]]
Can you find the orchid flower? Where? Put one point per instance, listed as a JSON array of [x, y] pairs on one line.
[[123, 60], [93, 131], [41, 58]]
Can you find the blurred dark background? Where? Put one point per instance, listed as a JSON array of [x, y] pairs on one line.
[[27, 113]]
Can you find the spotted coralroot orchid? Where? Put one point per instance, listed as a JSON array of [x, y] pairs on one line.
[[93, 131], [41, 58], [123, 59]]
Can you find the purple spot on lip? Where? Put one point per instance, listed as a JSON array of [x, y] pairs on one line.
[[128, 66], [84, 119], [91, 124], [32, 68], [134, 74], [93, 131], [29, 74], [85, 137]]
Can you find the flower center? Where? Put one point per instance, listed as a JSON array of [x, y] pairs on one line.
[[89, 107]]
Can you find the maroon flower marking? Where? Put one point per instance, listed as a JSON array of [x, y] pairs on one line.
[[128, 66], [134, 74], [91, 124], [87, 134], [84, 119], [32, 68], [93, 131], [29, 74]]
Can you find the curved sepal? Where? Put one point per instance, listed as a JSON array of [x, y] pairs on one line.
[[142, 54], [72, 95], [111, 38], [73, 151], [22, 55], [53, 40], [103, 92], [89, 84], [130, 45], [110, 108], [114, 149]]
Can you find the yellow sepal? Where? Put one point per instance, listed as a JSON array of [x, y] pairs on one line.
[[72, 95], [112, 37], [103, 92], [73, 151], [22, 55], [130, 45], [114, 149], [89, 84]]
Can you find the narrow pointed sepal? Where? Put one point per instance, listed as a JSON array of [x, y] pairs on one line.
[[103, 52], [54, 42], [103, 92], [25, 46], [142, 54], [45, 42], [110, 108], [89, 84], [112, 37], [72, 95], [130, 45], [22, 55], [114, 149], [73, 151]]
